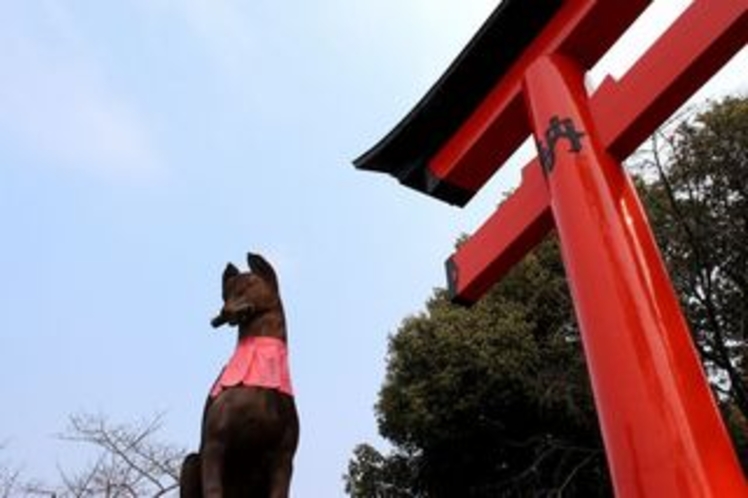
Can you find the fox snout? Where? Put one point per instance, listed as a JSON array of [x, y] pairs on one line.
[[233, 314]]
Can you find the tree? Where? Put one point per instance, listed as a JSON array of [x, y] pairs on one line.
[[697, 199], [9, 479], [492, 399], [129, 463], [372, 474]]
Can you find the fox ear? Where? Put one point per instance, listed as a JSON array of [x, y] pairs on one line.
[[230, 272], [260, 266]]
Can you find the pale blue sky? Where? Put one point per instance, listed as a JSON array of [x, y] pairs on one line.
[[144, 143]]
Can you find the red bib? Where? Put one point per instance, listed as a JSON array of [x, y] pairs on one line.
[[257, 361]]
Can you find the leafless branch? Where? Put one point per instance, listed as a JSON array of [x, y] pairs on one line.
[[130, 462]]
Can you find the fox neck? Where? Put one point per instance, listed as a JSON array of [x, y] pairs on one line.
[[268, 324]]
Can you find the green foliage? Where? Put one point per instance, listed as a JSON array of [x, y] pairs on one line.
[[698, 205], [372, 475], [492, 399]]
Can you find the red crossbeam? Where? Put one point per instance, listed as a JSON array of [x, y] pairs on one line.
[[521, 222], [625, 112], [584, 29], [701, 41]]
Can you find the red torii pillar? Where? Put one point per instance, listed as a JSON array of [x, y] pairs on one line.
[[523, 73]]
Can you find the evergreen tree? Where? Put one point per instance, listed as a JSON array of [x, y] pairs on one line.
[[697, 200], [492, 400]]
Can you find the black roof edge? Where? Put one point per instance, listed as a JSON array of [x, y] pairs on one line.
[[406, 150], [417, 175]]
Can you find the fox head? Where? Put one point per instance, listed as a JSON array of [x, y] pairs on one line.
[[247, 295]]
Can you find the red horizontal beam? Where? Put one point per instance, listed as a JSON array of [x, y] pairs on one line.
[[696, 46], [521, 221], [625, 112], [584, 29]]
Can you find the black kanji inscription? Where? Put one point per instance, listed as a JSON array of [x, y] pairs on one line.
[[558, 129]]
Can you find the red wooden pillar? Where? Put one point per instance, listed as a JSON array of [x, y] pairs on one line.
[[662, 430]]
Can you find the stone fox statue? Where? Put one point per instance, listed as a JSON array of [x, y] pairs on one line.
[[250, 426]]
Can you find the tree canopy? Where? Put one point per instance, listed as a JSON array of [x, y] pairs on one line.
[[698, 206], [489, 399]]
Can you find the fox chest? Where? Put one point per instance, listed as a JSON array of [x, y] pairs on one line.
[[257, 362]]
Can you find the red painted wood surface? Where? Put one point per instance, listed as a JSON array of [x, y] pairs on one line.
[[663, 433], [521, 222], [584, 28], [625, 112]]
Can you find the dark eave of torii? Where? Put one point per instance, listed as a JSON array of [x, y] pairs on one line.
[[405, 151], [509, 34]]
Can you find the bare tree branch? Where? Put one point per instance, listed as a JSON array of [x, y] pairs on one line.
[[130, 462]]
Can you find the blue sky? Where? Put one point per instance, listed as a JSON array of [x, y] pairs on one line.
[[145, 143]]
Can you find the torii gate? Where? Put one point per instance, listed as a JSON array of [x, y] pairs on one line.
[[523, 74]]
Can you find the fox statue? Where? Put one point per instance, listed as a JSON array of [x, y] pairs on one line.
[[250, 427]]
